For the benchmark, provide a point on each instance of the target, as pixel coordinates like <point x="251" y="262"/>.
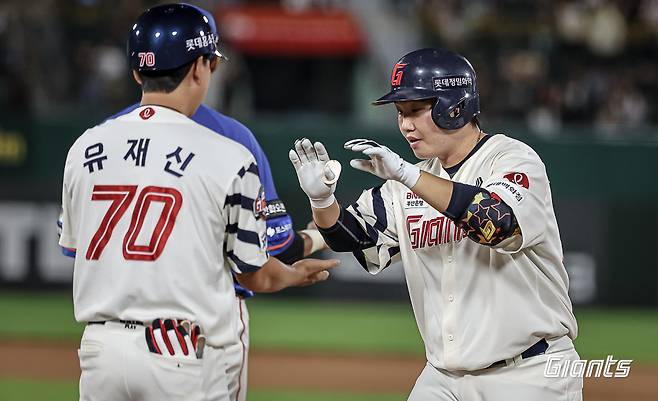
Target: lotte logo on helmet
<point x="396" y="76"/>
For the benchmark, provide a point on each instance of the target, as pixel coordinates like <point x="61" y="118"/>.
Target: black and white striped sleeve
<point x="246" y="241"/>
<point x="375" y="214"/>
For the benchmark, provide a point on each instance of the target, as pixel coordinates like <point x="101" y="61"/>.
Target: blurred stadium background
<point x="577" y="80"/>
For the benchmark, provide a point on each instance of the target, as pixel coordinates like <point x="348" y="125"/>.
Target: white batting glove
<point x="383" y="162"/>
<point x="316" y="172"/>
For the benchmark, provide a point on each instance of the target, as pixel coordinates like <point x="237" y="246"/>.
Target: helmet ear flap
<point x="436" y="115"/>
<point x="455" y="117"/>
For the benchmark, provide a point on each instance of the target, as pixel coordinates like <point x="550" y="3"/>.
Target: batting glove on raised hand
<point x="383" y="162"/>
<point x="317" y="174"/>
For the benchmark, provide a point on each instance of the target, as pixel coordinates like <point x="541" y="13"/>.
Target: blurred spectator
<point x="607" y="30"/>
<point x="624" y="109"/>
<point x="548" y="63"/>
<point x="544" y="118"/>
<point x="557" y="62"/>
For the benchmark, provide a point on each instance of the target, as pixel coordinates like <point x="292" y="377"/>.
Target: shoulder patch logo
<point x="518" y="179"/>
<point x="260" y="204"/>
<point x="147" y="113"/>
<point x="478" y="182"/>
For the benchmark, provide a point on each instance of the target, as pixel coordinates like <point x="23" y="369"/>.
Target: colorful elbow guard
<point x="488" y="220"/>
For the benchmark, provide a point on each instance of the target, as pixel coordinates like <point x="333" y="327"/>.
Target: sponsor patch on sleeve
<point x="275" y="208"/>
<point x="518" y="179"/>
<point x="279" y="233"/>
<point x="501" y="186"/>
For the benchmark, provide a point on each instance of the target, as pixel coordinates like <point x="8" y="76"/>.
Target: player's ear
<point x="137" y="78"/>
<point x="197" y="69"/>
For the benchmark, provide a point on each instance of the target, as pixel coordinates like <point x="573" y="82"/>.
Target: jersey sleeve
<point x="67" y="224"/>
<point x="246" y="242"/>
<point x="519" y="179"/>
<point x="374" y="212"/>
<point x="280" y="233"/>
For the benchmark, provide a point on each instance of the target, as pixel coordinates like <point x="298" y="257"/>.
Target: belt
<point x="126" y="322"/>
<point x="539" y="348"/>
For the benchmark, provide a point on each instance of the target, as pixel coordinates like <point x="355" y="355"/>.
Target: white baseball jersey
<point x="475" y="304"/>
<point x="160" y="209"/>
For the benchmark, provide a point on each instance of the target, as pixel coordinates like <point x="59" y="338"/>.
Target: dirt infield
<point x="276" y="370"/>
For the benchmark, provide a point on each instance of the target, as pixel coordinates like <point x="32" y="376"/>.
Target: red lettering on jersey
<point x="147" y="113"/>
<point x="121" y="197"/>
<point x="396" y="75"/>
<point x="518" y="178"/>
<point x="413" y="232"/>
<point x="459" y="233"/>
<point x="431" y="232"/>
<point x="446" y="237"/>
<point x="434" y="229"/>
<point x="425" y="233"/>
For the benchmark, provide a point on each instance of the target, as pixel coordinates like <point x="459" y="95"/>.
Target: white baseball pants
<point x="116" y="365"/>
<point x="237" y="356"/>
<point x="229" y="370"/>
<point x="520" y="380"/>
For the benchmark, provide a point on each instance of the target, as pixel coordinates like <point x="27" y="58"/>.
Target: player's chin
<point x="421" y="151"/>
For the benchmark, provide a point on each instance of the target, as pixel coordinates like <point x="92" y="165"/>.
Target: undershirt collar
<point x="453" y="170"/>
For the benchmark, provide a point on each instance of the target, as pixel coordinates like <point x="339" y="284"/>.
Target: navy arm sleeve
<point x="347" y="235"/>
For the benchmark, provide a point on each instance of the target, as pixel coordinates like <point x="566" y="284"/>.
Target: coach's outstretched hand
<point x="383" y="162"/>
<point x="317" y="174"/>
<point x="315" y="270"/>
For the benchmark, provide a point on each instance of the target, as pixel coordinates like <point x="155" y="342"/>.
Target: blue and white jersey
<point x="161" y="210"/>
<point x="280" y="233"/>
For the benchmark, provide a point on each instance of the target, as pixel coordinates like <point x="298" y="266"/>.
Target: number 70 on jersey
<point x="122" y="197"/>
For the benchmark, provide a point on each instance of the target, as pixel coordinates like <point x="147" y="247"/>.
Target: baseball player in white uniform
<point x="474" y="226"/>
<point x="159" y="211"/>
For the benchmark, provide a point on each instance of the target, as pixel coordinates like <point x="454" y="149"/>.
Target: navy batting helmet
<point x="171" y="35"/>
<point x="437" y="74"/>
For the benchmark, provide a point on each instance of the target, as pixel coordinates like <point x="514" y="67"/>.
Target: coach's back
<point x="152" y="203"/>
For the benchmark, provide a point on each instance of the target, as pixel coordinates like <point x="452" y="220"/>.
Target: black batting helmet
<point x="169" y="36"/>
<point x="437" y="74"/>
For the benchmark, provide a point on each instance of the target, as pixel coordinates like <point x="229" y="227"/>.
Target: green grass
<point x="340" y="326"/>
<point x="337" y="326"/>
<point x="28" y="390"/>
<point x="624" y="333"/>
<point x="39" y="315"/>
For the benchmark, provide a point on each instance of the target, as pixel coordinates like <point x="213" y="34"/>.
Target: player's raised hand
<point x="316" y="172"/>
<point x="383" y="162"/>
